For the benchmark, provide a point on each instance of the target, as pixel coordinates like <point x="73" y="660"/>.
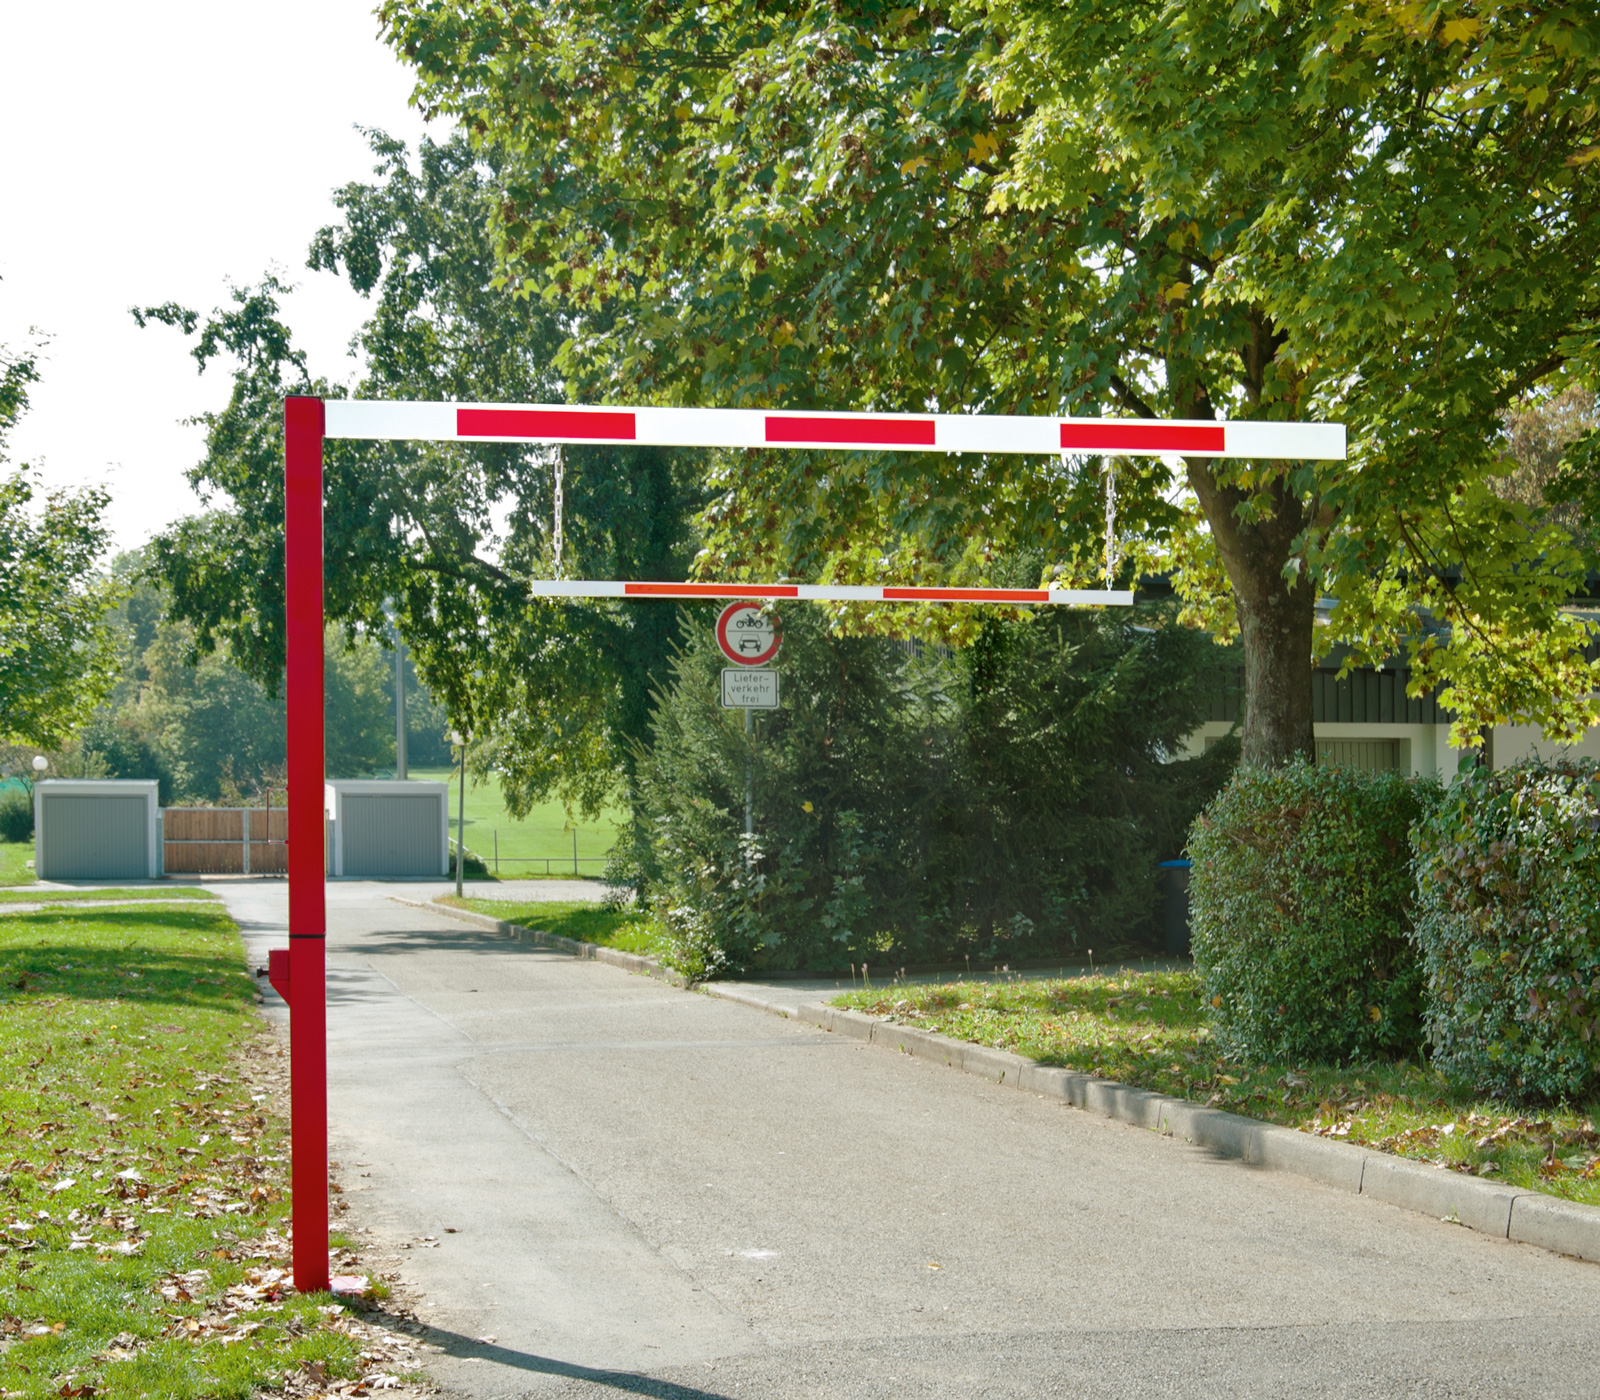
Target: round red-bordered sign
<point x="748" y="634"/>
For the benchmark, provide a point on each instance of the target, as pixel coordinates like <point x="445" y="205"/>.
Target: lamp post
<point x="459" y="740"/>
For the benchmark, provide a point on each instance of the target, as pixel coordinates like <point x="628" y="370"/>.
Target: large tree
<point x="1378" y="215"/>
<point x="440" y="537"/>
<point x="55" y="658"/>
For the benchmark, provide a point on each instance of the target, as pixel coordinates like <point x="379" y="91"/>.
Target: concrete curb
<point x="631" y="962"/>
<point x="1527" y="1217"/>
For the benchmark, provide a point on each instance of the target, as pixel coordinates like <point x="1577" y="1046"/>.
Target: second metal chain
<point x="1111" y="520"/>
<point x="556" y="539"/>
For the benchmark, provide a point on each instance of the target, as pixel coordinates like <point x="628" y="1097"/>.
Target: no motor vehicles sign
<point x="748" y="634"/>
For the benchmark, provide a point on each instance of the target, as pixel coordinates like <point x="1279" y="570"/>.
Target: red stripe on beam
<point x="707" y="590"/>
<point x="1140" y="437"/>
<point x="966" y="595"/>
<point x="543" y="423"/>
<point x="849" y="432"/>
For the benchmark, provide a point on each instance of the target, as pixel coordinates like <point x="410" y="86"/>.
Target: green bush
<point x="1508" y="924"/>
<point x="16" y="814"/>
<point x="1300" y="906"/>
<point x="1007" y="802"/>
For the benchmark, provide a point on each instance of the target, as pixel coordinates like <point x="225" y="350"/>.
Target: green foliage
<point x="1508" y="926"/>
<point x="1300" y="906"/>
<point x="1006" y="802"/>
<point x="206" y="730"/>
<point x="551" y="693"/>
<point x="16" y="814"/>
<point x="1380" y="216"/>
<point x="54" y="661"/>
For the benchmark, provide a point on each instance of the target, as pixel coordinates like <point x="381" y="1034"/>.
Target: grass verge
<point x="163" y="893"/>
<point x="544" y="835"/>
<point x="142" y="1183"/>
<point x="16" y="862"/>
<point x="1149" y="1029"/>
<point x="623" y="929"/>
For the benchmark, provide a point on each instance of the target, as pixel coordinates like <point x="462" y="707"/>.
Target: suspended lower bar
<point x="833" y="593"/>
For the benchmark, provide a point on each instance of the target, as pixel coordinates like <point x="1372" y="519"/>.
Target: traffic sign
<point x="749" y="690"/>
<point x="748" y="634"/>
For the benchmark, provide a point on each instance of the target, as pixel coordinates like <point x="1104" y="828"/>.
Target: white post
<point x="749" y="820"/>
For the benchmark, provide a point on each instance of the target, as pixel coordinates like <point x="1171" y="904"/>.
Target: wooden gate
<point x="217" y="841"/>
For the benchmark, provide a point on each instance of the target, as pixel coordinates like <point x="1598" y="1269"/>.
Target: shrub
<point x="16" y="814"/>
<point x="1508" y="924"/>
<point x="1300" y="903"/>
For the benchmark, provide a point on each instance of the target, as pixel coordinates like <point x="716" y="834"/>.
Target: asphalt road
<point x="641" y="1191"/>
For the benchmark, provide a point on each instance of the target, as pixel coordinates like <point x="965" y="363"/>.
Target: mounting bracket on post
<point x="278" y="972"/>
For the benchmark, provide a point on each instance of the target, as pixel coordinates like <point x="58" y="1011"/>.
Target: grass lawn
<point x="142" y="1210"/>
<point x="1149" y="1029"/>
<point x="16" y="866"/>
<point x="544" y="833"/>
<point x="622" y="929"/>
<point x="162" y="892"/>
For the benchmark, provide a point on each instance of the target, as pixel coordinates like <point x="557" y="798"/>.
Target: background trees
<point x="54" y="664"/>
<point x="439" y="535"/>
<point x="208" y="731"/>
<point x="1384" y="218"/>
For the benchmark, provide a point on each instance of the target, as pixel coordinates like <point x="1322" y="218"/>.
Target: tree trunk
<point x="1276" y="616"/>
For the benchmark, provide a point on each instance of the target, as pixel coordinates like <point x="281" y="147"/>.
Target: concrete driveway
<point x="636" y="1190"/>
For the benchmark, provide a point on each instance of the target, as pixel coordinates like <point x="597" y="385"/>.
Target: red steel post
<point x="308" y="923"/>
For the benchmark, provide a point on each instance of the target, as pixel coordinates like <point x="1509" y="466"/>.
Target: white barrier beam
<point x="903" y="432"/>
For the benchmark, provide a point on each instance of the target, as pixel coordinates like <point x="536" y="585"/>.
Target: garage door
<point x="391" y="835"/>
<point x="96" y="838"/>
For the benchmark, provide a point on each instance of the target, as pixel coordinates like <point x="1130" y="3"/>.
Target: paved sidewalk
<point x="638" y="1190"/>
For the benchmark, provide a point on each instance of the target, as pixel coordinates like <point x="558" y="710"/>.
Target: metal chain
<point x="556" y="539"/>
<point x="1111" y="521"/>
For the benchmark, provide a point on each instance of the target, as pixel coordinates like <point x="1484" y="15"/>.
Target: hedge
<point x="1508" y="926"/>
<point x="1300" y="905"/>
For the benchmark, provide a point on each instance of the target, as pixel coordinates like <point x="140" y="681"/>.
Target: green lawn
<point x="587" y="923"/>
<point x="142" y="1183"/>
<point x="16" y="863"/>
<point x="1149" y="1029"/>
<point x="545" y="834"/>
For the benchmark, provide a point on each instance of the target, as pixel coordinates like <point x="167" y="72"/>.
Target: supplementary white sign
<point x="749" y="690"/>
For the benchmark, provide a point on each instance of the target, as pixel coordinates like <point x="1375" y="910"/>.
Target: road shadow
<point x="463" y="1348"/>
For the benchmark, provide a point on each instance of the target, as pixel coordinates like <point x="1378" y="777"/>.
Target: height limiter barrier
<point x="298" y="973"/>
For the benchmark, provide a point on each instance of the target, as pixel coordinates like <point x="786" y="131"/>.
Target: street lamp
<point x="40" y="763"/>
<point x="459" y="740"/>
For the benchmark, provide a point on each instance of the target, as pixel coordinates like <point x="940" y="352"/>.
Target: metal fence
<point x="494" y="859"/>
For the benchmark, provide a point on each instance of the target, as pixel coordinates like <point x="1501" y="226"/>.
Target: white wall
<point x="1425" y="748"/>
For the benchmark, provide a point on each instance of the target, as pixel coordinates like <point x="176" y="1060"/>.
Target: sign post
<point x="750" y="636"/>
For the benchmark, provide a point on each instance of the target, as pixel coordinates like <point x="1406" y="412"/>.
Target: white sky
<point x="152" y="153"/>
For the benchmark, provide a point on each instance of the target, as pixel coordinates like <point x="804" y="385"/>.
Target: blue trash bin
<point x="1175" y="911"/>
